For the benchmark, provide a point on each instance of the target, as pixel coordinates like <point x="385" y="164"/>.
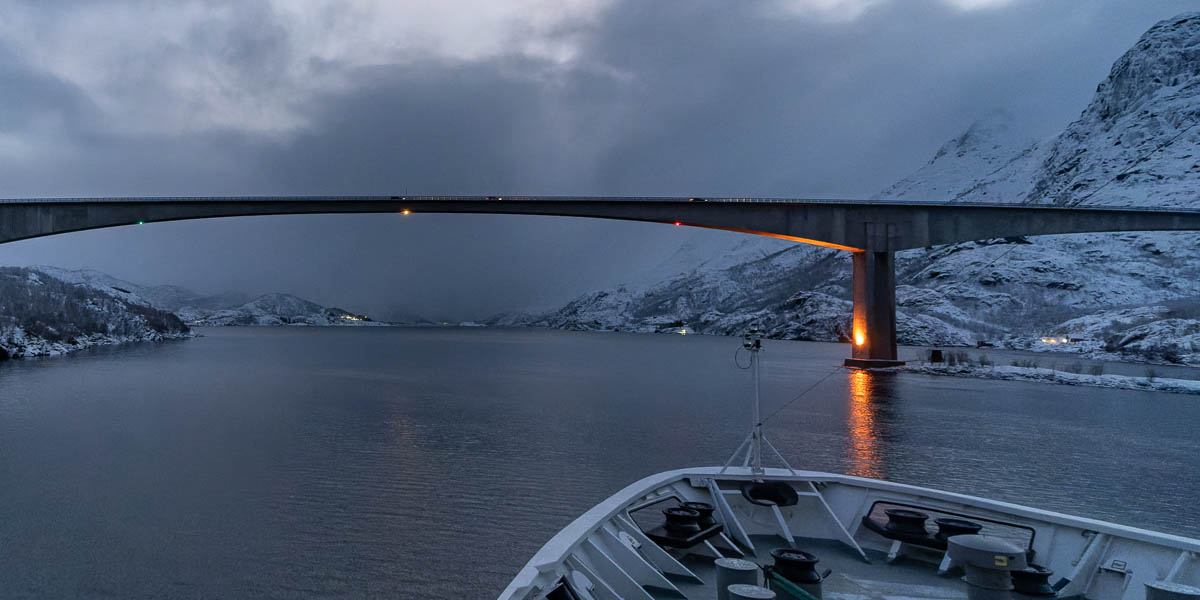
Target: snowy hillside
<point x="987" y="163"/>
<point x="43" y="315"/>
<point x="1136" y="143"/>
<point x="1158" y="333"/>
<point x="275" y="309"/>
<point x="165" y="297"/>
<point x="224" y="309"/>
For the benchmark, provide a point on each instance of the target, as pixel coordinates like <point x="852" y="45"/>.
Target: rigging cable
<point x="800" y="395"/>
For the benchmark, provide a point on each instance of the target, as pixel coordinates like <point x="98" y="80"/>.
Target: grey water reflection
<point x="864" y="426"/>
<point x="432" y="463"/>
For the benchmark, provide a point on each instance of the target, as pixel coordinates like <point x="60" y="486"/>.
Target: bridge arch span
<point x="873" y="231"/>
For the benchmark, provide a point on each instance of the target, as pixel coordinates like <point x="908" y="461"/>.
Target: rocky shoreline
<point x="15" y="344"/>
<point x="1148" y="383"/>
<point x="42" y="315"/>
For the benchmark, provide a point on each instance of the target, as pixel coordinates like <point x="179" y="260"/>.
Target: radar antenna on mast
<point x="752" y="446"/>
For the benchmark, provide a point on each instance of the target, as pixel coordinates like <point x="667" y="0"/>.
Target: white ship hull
<point x="606" y="553"/>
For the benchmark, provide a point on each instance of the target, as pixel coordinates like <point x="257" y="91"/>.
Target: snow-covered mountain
<point x="1136" y="143"/>
<point x="41" y="315"/>
<point x="275" y="309"/>
<point x="164" y="297"/>
<point x="223" y="309"/>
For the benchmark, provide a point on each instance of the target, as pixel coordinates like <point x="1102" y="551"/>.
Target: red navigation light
<point x="677" y="223"/>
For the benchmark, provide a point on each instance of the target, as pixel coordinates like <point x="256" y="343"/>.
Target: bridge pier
<point x="874" y="287"/>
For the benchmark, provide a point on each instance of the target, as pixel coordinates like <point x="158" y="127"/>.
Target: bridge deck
<point x="873" y="230"/>
<point x="845" y="224"/>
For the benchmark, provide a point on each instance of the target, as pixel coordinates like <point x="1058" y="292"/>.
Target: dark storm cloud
<point x="678" y="98"/>
<point x="28" y="95"/>
<point x="69" y="146"/>
<point x="751" y="102"/>
<point x="716" y="98"/>
<point x="453" y="128"/>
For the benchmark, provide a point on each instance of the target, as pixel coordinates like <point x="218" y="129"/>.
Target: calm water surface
<point x="432" y="463"/>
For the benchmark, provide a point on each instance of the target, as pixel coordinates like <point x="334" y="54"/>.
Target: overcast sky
<point x="816" y="98"/>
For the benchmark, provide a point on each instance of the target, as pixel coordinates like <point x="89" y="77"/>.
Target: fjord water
<point x="432" y="463"/>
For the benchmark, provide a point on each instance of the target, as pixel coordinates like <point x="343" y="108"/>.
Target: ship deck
<point x="610" y="552"/>
<point x="851" y="579"/>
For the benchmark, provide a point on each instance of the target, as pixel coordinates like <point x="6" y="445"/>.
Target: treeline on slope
<point x="59" y="312"/>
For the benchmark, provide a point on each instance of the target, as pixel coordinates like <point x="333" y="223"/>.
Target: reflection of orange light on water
<point x="864" y="442"/>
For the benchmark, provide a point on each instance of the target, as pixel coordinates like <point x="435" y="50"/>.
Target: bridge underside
<point x="874" y="232"/>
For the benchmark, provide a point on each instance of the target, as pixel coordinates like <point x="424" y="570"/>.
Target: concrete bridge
<point x="872" y="231"/>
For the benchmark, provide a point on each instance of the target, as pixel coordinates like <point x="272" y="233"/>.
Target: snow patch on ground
<point x="1015" y="373"/>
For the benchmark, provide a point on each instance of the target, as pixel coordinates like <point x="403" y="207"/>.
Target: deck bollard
<point x="798" y="570"/>
<point x="732" y="571"/>
<point x="742" y="591"/>
<point x="1164" y="590"/>
<point x="1033" y="580"/>
<point x="988" y="563"/>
